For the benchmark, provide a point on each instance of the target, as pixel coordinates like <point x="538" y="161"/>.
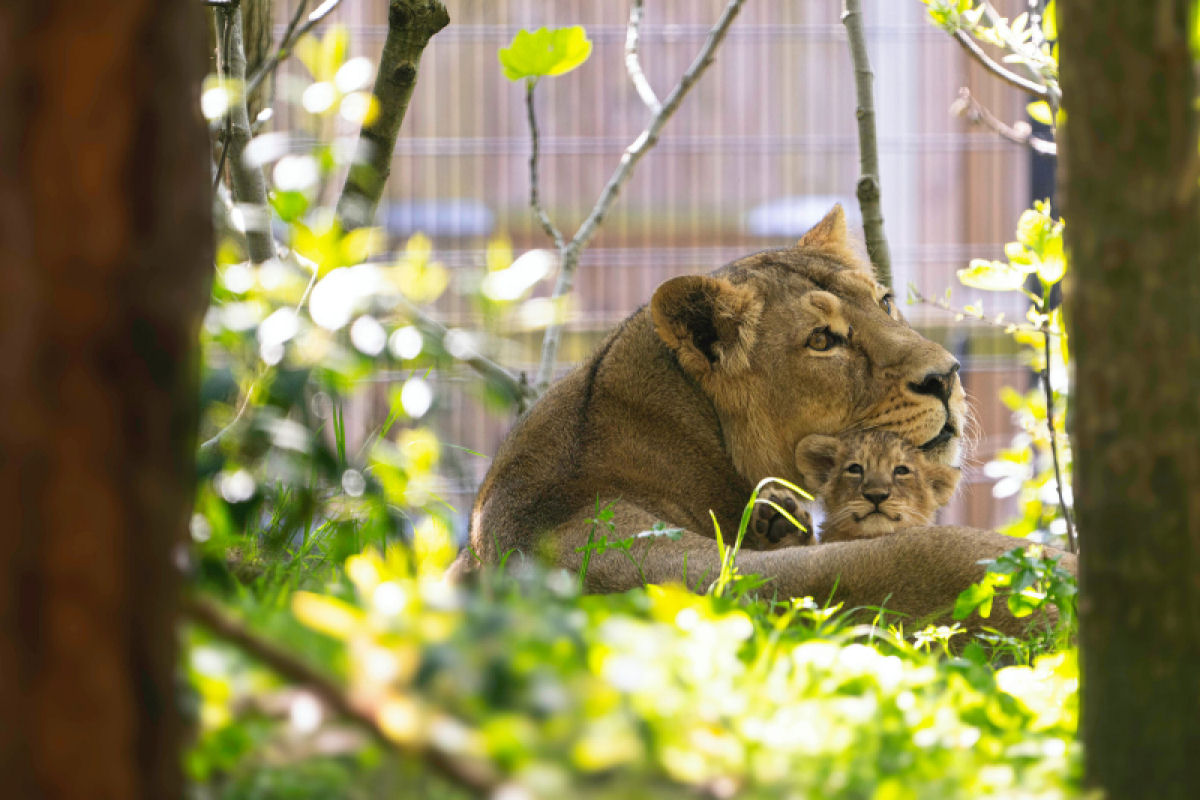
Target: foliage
<point x="546" y="51"/>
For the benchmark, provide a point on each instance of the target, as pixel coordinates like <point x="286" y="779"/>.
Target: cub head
<point x="801" y="341"/>
<point x="872" y="483"/>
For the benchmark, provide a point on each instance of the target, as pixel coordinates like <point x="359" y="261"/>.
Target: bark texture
<point x="1133" y="233"/>
<point x="105" y="247"/>
<point x="411" y="24"/>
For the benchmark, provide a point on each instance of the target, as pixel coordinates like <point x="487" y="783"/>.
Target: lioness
<point x="695" y="398"/>
<point x="872" y="483"/>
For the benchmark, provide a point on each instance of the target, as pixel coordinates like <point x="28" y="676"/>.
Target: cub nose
<point x="877" y="496"/>
<point x="938" y="384"/>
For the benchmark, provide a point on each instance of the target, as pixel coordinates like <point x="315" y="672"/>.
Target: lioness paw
<point x="771" y="530"/>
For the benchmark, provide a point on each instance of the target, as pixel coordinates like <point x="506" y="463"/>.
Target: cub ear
<point x="816" y="459"/>
<point x="829" y="233"/>
<point x="943" y="480"/>
<point x="708" y="322"/>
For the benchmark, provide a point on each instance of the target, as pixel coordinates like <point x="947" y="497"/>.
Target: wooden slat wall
<point x="774" y="117"/>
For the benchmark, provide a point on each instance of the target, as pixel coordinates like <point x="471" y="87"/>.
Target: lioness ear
<point x="707" y="321"/>
<point x="829" y="233"/>
<point x="943" y="480"/>
<point x="816" y="458"/>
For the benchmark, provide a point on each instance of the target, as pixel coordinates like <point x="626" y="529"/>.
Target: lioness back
<point x="872" y="483"/>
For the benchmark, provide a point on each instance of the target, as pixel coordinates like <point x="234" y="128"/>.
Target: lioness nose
<point x="877" y="496"/>
<point x="937" y="384"/>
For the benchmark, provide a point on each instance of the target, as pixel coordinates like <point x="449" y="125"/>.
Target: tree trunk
<point x="105" y="259"/>
<point x="1130" y="173"/>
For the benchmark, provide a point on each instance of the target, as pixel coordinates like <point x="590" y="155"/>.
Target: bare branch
<point x="1072" y="546"/>
<point x="1005" y="74"/>
<point x="474" y="776"/>
<point x="632" y="66"/>
<point x="291" y="35"/>
<point x="249" y="185"/>
<point x="868" y="188"/>
<point x="411" y="24"/>
<point x="972" y="110"/>
<point x="998" y="321"/>
<point x="494" y="373"/>
<point x="569" y="256"/>
<point x="534" y="201"/>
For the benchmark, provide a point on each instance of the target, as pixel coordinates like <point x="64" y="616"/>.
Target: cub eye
<point x="901" y="470"/>
<point x="886" y="303"/>
<point x="855" y="469"/>
<point x="820" y="340"/>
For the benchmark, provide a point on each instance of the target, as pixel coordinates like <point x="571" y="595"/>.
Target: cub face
<point x="872" y="483"/>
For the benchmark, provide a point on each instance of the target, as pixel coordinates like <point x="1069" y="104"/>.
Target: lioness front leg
<point x="769" y="529"/>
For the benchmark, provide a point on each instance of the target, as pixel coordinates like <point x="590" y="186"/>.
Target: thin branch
<point x="1072" y="546"/>
<point x="976" y="315"/>
<point x="632" y="65"/>
<point x="222" y="67"/>
<point x="1053" y="96"/>
<point x="411" y="24"/>
<point x="491" y="371"/>
<point x="291" y="35"/>
<point x="569" y="256"/>
<point x="476" y="777"/>
<point x="1005" y="74"/>
<point x="534" y="201"/>
<point x="249" y="185"/>
<point x="868" y="188"/>
<point x="972" y="110"/>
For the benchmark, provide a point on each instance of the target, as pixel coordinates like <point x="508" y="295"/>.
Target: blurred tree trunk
<point x="1130" y="172"/>
<point x="105" y="259"/>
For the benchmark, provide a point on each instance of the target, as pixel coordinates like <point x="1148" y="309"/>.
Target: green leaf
<point x="1040" y="112"/>
<point x="1052" y="264"/>
<point x="992" y="276"/>
<point x="976" y="596"/>
<point x="546" y="51"/>
<point x="1050" y="21"/>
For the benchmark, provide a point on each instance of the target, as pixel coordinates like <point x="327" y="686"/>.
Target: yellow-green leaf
<point x="328" y="615"/>
<point x="1040" y="112"/>
<point x="1052" y="263"/>
<point x="994" y="276"/>
<point x="1050" y="21"/>
<point x="546" y="51"/>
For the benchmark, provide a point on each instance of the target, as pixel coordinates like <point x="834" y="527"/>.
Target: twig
<point x="222" y="67"/>
<point x="1021" y="133"/>
<point x="1058" y="484"/>
<point x="476" y="777"/>
<point x="249" y="185"/>
<point x="490" y="370"/>
<point x="1005" y="74"/>
<point x="977" y="315"/>
<point x="868" y="188"/>
<point x="569" y="255"/>
<point x="632" y="66"/>
<point x="534" y="201"/>
<point x="1053" y="95"/>
<point x="411" y="24"/>
<point x="291" y="35"/>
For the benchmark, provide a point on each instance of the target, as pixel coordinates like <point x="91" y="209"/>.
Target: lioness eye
<point x="901" y="470"/>
<point x="886" y="304"/>
<point x="855" y="469"/>
<point x="821" y="340"/>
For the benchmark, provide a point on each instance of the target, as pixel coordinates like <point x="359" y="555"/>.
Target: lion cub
<point x="872" y="483"/>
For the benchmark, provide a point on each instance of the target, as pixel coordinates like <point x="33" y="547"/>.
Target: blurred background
<point x="757" y="153"/>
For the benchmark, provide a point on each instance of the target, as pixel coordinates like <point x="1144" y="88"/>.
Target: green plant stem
<point x="1058" y="481"/>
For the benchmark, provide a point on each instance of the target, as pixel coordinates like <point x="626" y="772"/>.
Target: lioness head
<point x="872" y="483"/>
<point x="790" y="343"/>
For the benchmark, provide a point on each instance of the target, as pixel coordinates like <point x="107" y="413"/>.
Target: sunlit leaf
<point x="994" y="276"/>
<point x="326" y="614"/>
<point x="546" y="51"/>
<point x="1040" y="111"/>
